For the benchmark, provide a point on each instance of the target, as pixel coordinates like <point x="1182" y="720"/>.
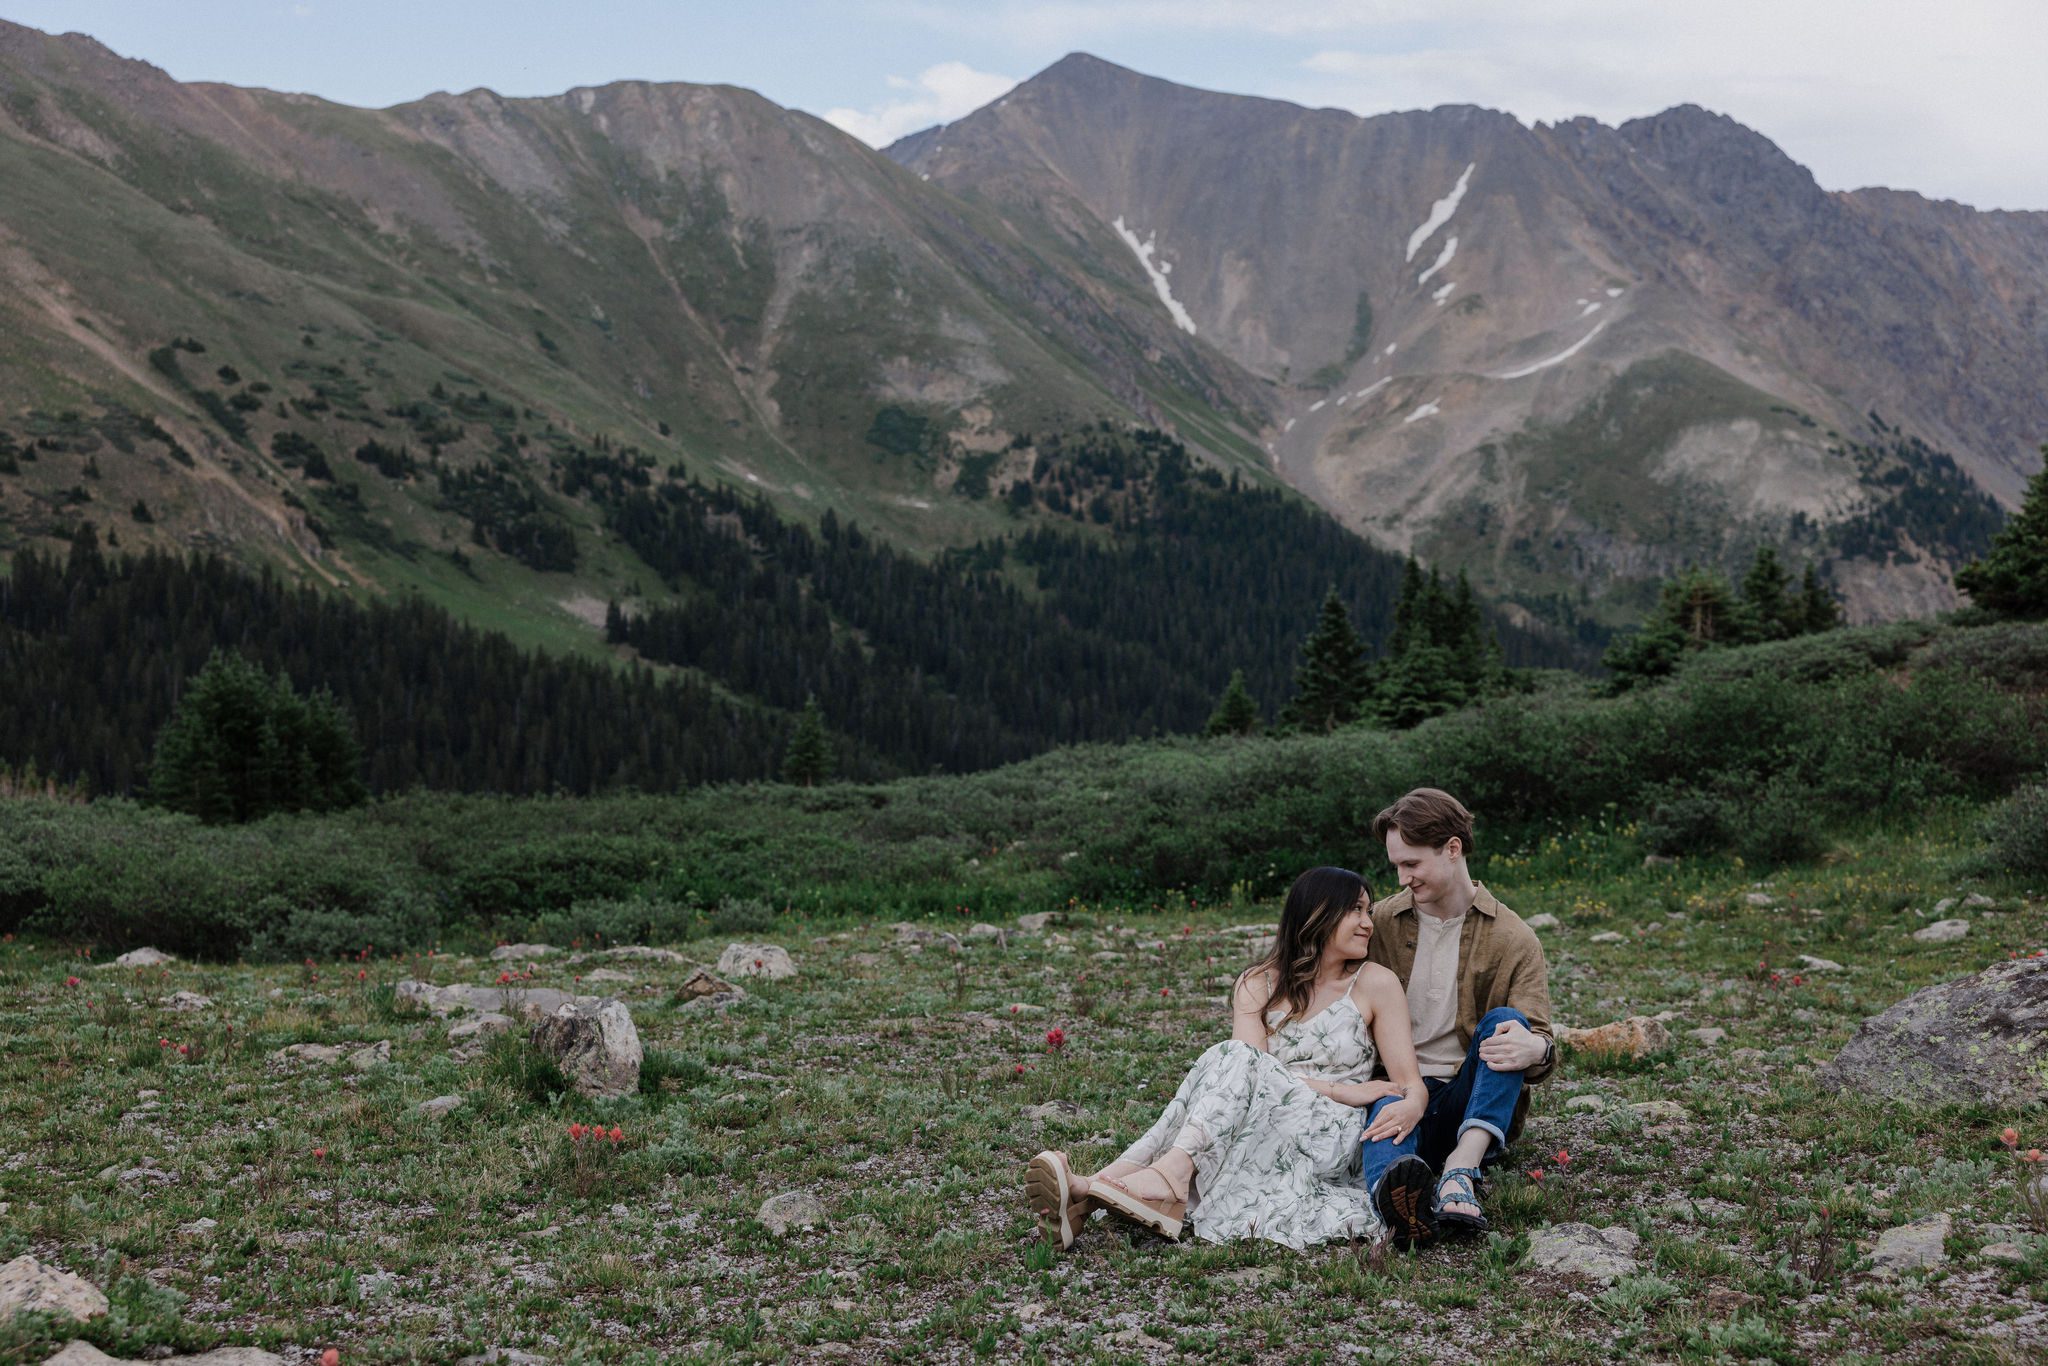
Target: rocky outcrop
<point x="27" y="1285"/>
<point x="1981" y="1039"/>
<point x="596" y="1046"/>
<point x="1630" y="1038"/>
<point x="531" y="1002"/>
<point x="1601" y="1254"/>
<point x="769" y="961"/>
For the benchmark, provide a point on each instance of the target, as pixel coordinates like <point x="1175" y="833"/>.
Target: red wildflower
<point x="1535" y="1173"/>
<point x="70" y="981"/>
<point x="362" y="973"/>
<point x="163" y="1043"/>
<point x="1055" y="1038"/>
<point x="2010" y="1138"/>
<point x="1020" y="1069"/>
<point x="330" y="1357"/>
<point x="320" y="1154"/>
<point x="757" y="962"/>
<point x="618" y="1134"/>
<point x="1564" y="1158"/>
<point x="2033" y="1154"/>
<point x="184" y="1050"/>
<point x="503" y="978"/>
<point x="1797" y="980"/>
<point x="575" y="1130"/>
<point x="1166" y="991"/>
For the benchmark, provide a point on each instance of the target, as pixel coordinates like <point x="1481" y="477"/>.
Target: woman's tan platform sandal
<point x="1049" y="1190"/>
<point x="1163" y="1217"/>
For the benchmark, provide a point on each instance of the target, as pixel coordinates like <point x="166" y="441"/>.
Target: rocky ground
<point x="815" y="1153"/>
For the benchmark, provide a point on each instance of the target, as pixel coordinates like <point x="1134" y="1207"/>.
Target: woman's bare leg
<point x="1166" y="1179"/>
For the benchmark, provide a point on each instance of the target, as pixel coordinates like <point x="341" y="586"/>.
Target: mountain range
<point x="1564" y="359"/>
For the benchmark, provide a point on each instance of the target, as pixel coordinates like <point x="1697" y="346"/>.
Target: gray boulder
<point x="144" y="958"/>
<point x="440" y="1105"/>
<point x="26" y="1284"/>
<point x="519" y="953"/>
<point x="596" y="1046"/>
<point x="532" y="1003"/>
<point x="1918" y="1246"/>
<point x="1601" y="1254"/>
<point x="1981" y="1039"/>
<point x="770" y="961"/>
<point x="791" y="1209"/>
<point x="1942" y="932"/>
<point x="80" y="1353"/>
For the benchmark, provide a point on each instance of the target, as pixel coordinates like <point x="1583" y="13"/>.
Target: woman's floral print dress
<point x="1273" y="1159"/>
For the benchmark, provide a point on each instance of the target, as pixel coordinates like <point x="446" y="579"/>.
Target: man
<point x="1479" y="1001"/>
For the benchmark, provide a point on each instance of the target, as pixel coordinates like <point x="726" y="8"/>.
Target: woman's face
<point x="1354" y="930"/>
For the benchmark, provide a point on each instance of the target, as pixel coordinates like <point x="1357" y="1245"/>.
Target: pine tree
<point x="809" y="759"/>
<point x="2012" y="578"/>
<point x="1331" y="681"/>
<point x="1815" y="607"/>
<point x="1236" y="712"/>
<point x="1764" y="590"/>
<point x="241" y="746"/>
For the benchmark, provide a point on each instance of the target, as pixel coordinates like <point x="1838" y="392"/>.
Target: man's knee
<point x="1498" y="1016"/>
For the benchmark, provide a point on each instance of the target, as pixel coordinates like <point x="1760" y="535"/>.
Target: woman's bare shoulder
<point x="1254" y="987"/>
<point x="1374" y="977"/>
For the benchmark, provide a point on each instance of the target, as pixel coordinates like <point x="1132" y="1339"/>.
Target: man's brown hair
<point x="1427" y="817"/>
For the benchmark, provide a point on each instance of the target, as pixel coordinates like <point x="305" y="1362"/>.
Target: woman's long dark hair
<point x="1318" y="899"/>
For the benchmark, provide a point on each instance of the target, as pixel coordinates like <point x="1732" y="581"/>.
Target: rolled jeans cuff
<point x="1500" y="1140"/>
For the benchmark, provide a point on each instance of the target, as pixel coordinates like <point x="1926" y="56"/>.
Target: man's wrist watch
<point x="1549" y="1051"/>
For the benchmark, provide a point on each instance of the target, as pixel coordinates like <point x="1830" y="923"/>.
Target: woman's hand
<point x="1357" y="1095"/>
<point x="1398" y="1119"/>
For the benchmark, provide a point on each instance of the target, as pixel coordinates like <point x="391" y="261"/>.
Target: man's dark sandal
<point x="1464" y="1184"/>
<point x="1404" y="1199"/>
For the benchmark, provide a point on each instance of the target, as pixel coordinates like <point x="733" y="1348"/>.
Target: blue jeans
<point x="1477" y="1098"/>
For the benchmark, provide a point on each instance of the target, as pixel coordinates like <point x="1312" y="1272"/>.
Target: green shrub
<point x="2015" y="832"/>
<point x="517" y="878"/>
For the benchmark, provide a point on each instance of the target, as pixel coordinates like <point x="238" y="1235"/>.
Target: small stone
<point x="144" y="958"/>
<point x="791" y="1209"/>
<point x="26" y="1284"/>
<point x="440" y="1105"/>
<point x="199" y="1228"/>
<point x="641" y="951"/>
<point x="1250" y="1275"/>
<point x="1661" y="1111"/>
<point x="376" y="1055"/>
<point x="186" y="1000"/>
<point x="518" y="953"/>
<point x="1107" y="956"/>
<point x="1659" y="861"/>
<point x="1023" y="1008"/>
<point x="1945" y="905"/>
<point x="596" y="1046"/>
<point x="2002" y="1252"/>
<point x="502" y="1356"/>
<point x="1942" y="932"/>
<point x="1708" y="1036"/>
<point x="703" y="982"/>
<point x="1037" y="922"/>
<point x="609" y="975"/>
<point x="1917" y="1246"/>
<point x="1543" y="921"/>
<point x="756" y="960"/>
<point x="983" y="931"/>
<point x="324" y="1053"/>
<point x="1632" y="1038"/>
<point x="1810" y="963"/>
<point x="1056" y="1109"/>
<point x="1724" y="1302"/>
<point x="479" y="1027"/>
<point x="1138" y="1339"/>
<point x="1602" y="1254"/>
<point x="1977" y="901"/>
<point x="1760" y="900"/>
<point x="1608" y="937"/>
<point x="1586" y="1102"/>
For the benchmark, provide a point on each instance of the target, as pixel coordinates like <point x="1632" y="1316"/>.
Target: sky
<point x="1942" y="98"/>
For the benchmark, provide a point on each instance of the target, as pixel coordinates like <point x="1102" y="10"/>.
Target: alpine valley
<point x="640" y="347"/>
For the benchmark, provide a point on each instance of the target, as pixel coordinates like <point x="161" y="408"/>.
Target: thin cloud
<point x="939" y="94"/>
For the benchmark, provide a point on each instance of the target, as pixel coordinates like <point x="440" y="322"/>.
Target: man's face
<point x="1427" y="873"/>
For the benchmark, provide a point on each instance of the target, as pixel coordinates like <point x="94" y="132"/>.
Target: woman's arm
<point x="1387" y="1005"/>
<point x="1248" y="1009"/>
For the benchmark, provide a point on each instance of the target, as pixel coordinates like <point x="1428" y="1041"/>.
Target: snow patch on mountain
<point x="1440" y="212"/>
<point x="1156" y="273"/>
<point x="1317" y="406"/>
<point x="1377" y="384"/>
<point x="1590" y="309"/>
<point x="1443" y="258"/>
<point x="1616" y="293"/>
<point x="1429" y="409"/>
<point x="1443" y="295"/>
<point x="1558" y="359"/>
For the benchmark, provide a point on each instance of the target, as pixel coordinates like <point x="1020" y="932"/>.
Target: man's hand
<point x="1397" y="1119"/>
<point x="1513" y="1048"/>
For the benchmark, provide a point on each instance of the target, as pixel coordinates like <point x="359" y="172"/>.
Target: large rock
<point x="1918" y="1246"/>
<point x="704" y="982"/>
<point x="186" y="1000"/>
<point x="26" y="1284"/>
<point x="1981" y="1039"/>
<point x="519" y="953"/>
<point x="771" y="961"/>
<point x="79" y="1353"/>
<point x="596" y="1046"/>
<point x="644" y="952"/>
<point x="1603" y="1254"/>
<point x="144" y="958"/>
<point x="532" y="1003"/>
<point x="1942" y="932"/>
<point x="1630" y="1038"/>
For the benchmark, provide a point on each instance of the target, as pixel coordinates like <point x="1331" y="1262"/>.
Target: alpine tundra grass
<point x="220" y="1193"/>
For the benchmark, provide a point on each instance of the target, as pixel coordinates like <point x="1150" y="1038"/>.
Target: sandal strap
<point x="1459" y="1179"/>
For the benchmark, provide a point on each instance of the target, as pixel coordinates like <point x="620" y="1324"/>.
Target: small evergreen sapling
<point x="809" y="760"/>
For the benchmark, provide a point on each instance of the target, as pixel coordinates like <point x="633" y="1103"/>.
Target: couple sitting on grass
<point x="1376" y="1066"/>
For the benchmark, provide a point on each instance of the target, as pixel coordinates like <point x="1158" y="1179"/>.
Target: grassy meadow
<point x="1696" y="841"/>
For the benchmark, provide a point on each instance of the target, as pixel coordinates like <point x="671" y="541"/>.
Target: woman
<point x="1263" y="1136"/>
